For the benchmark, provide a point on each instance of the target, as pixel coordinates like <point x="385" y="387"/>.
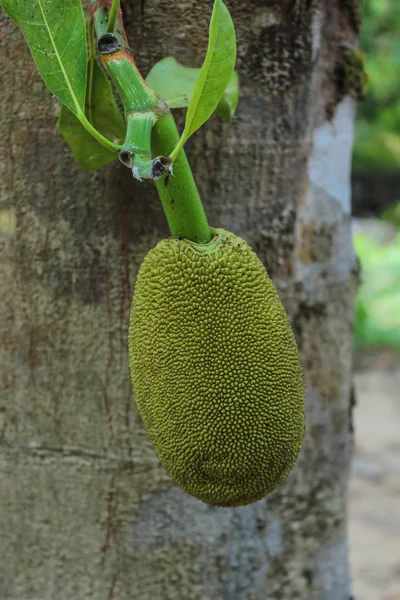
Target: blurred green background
<point x="377" y="156"/>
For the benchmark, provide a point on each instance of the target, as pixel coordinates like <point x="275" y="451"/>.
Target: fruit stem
<point x="178" y="191"/>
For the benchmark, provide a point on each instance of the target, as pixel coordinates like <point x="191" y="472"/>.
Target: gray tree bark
<point x="86" y="510"/>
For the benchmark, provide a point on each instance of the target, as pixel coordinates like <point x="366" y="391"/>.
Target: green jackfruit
<point x="215" y="370"/>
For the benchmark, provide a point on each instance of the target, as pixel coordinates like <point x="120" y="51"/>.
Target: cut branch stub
<point x="108" y="43"/>
<point x="160" y="166"/>
<point x="125" y="156"/>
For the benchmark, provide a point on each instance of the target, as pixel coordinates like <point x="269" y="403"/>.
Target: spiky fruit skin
<point x="215" y="370"/>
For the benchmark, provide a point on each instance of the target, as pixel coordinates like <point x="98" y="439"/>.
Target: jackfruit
<point x="215" y="369"/>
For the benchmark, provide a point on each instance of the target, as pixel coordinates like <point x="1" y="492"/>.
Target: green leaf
<point x="175" y="83"/>
<point x="103" y="112"/>
<point x="214" y="75"/>
<point x="56" y="35"/>
<point x="216" y="71"/>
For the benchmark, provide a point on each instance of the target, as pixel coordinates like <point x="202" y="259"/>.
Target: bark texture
<point x="86" y="511"/>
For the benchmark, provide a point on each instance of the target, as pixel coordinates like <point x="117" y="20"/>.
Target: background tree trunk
<point x="86" y="511"/>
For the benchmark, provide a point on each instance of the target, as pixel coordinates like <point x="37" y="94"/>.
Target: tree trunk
<point x="86" y="510"/>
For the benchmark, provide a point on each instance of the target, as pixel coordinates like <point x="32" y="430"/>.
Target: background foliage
<point x="377" y="149"/>
<point x="377" y="143"/>
<point x="378" y="303"/>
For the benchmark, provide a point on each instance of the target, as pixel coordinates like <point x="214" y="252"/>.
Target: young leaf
<point x="214" y="75"/>
<point x="102" y="111"/>
<point x="175" y="83"/>
<point x="229" y="101"/>
<point x="56" y="35"/>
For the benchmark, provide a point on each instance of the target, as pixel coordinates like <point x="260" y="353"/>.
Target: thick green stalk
<point x="178" y="192"/>
<point x="151" y="132"/>
<point x="116" y="58"/>
<point x="139" y="100"/>
<point x="139" y="128"/>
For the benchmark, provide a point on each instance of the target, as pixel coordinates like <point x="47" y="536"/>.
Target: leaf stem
<point x="113" y="15"/>
<point x="176" y="151"/>
<point x="96" y="134"/>
<point x="91" y="40"/>
<point x="90" y="74"/>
